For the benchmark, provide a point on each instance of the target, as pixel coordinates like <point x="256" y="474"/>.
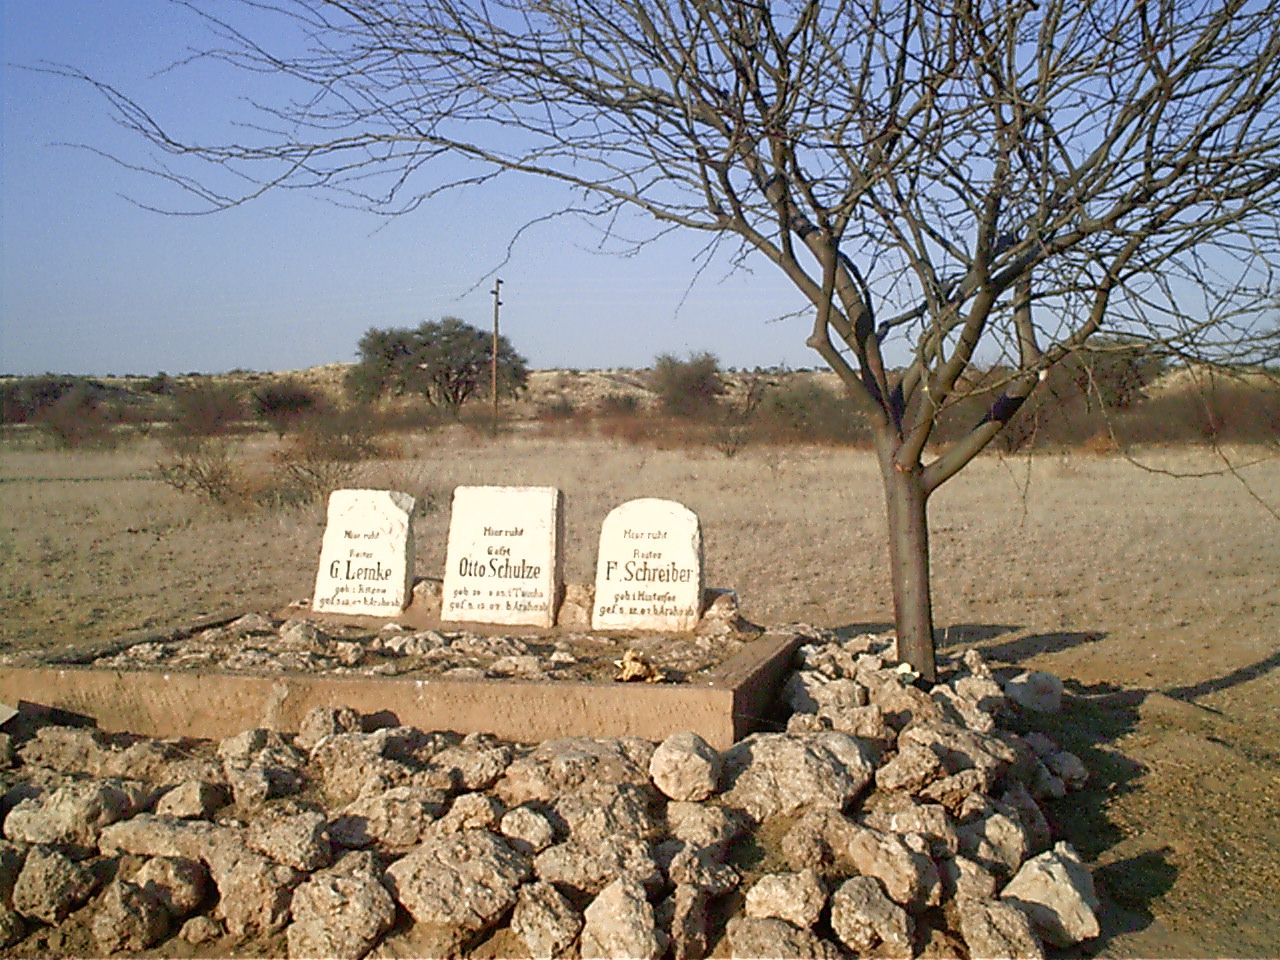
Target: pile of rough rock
<point x="884" y="820"/>
<point x="267" y="644"/>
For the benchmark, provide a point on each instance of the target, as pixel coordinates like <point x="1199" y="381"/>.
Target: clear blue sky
<point x="90" y="283"/>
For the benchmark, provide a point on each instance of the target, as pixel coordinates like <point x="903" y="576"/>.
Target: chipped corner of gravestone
<point x="366" y="556"/>
<point x="649" y="572"/>
<point x="503" y="562"/>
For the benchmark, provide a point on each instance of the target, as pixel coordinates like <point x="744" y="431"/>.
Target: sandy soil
<point x="1154" y="597"/>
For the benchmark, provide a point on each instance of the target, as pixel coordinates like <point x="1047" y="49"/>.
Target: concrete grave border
<point x="216" y="704"/>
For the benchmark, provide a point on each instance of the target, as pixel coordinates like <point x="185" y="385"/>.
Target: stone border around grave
<point x="216" y="704"/>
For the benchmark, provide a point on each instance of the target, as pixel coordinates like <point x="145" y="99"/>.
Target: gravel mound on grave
<point x="883" y="819"/>
<point x="263" y="644"/>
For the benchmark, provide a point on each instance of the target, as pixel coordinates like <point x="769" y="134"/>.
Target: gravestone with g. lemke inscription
<point x="502" y="564"/>
<point x="649" y="569"/>
<point x="366" y="557"/>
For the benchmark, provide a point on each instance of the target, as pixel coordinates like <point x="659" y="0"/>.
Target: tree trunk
<point x="906" y="502"/>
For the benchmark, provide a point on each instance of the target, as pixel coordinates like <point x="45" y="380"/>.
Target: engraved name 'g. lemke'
<point x="353" y="570"/>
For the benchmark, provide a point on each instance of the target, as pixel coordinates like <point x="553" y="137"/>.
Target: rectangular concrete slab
<point x="214" y="704"/>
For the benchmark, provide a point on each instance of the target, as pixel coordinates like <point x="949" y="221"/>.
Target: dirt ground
<point x="1156" y="598"/>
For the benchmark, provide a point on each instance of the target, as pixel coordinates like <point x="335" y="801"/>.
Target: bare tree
<point x="971" y="179"/>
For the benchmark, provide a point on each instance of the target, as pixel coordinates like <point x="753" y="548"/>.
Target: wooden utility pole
<point x="493" y="365"/>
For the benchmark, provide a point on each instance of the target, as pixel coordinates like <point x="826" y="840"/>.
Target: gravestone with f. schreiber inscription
<point x="503" y="560"/>
<point x="649" y="569"/>
<point x="366" y="557"/>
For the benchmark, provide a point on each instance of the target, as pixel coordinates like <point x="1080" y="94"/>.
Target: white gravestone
<point x="366" y="557"/>
<point x="503" y="560"/>
<point x="649" y="569"/>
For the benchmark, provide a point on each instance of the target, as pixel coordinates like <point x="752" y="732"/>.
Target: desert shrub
<point x="1113" y="372"/>
<point x="559" y="408"/>
<point x="687" y="388"/>
<point x="349" y="435"/>
<point x="160" y="385"/>
<point x="78" y="418"/>
<point x="1218" y="409"/>
<point x="803" y="410"/>
<point x="206" y="408"/>
<point x="23" y="399"/>
<point x="736" y="420"/>
<point x="205" y="468"/>
<point x="283" y="405"/>
<point x="618" y="404"/>
<point x="303" y="477"/>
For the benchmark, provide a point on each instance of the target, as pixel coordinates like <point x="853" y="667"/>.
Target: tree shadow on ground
<point x="851" y="630"/>
<point x="1033" y="644"/>
<point x="1091" y="721"/>
<point x="1228" y="680"/>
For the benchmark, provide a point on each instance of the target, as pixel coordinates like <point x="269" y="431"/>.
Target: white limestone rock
<point x="321" y="722"/>
<point x="557" y="768"/>
<point x="299" y="840"/>
<point x="831" y="843"/>
<point x="1069" y="768"/>
<point x="193" y="800"/>
<point x="396" y="818"/>
<point x="76" y="813"/>
<point x="993" y="930"/>
<point x="996" y="839"/>
<point x="598" y="812"/>
<point x="50" y="886"/>
<point x="768" y="774"/>
<point x="620" y="923"/>
<point x="128" y="918"/>
<point x="527" y="830"/>
<point x="753" y="937"/>
<point x="1055" y="890"/>
<point x="254" y="892"/>
<point x="461" y="882"/>
<point x="862" y="917"/>
<point x="1035" y="690"/>
<point x="699" y="826"/>
<point x="588" y="867"/>
<point x="545" y="920"/>
<point x="180" y="885"/>
<point x="911" y="769"/>
<point x="685" y="767"/>
<point x="341" y="911"/>
<point x="797" y="898"/>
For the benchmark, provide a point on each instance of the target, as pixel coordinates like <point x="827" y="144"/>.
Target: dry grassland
<point x="1155" y="598"/>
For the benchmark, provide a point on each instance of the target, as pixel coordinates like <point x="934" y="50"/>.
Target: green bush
<point x="1113" y="372"/>
<point x="285" y="404"/>
<point x="22" y="399"/>
<point x="687" y="388"/>
<point x="448" y="363"/>
<point x="805" y="410"/>
<point x="78" y="418"/>
<point x="206" y="408"/>
<point x="619" y="404"/>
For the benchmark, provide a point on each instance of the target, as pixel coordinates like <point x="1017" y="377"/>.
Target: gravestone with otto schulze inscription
<point x="366" y="557"/>
<point x="649" y="568"/>
<point x="502" y="565"/>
